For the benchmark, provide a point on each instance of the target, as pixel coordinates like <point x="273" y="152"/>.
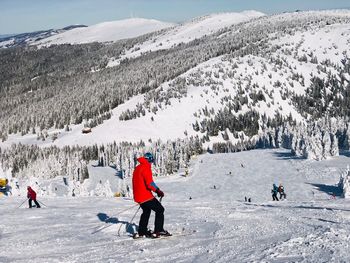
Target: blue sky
<point x="17" y="16"/>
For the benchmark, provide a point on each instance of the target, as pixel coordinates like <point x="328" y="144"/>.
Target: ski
<point x="179" y="234"/>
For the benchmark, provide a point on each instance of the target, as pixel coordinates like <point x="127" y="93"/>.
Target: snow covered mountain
<point x="74" y="119"/>
<point x="186" y="32"/>
<point x="106" y="32"/>
<point x="266" y="81"/>
<point x="271" y="81"/>
<point x="23" y="39"/>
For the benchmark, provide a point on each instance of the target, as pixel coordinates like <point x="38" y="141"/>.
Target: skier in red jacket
<point x="31" y="195"/>
<point x="143" y="185"/>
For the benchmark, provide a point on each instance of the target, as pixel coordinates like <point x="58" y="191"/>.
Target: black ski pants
<point x="274" y="197"/>
<point x="147" y="207"/>
<point x="36" y="203"/>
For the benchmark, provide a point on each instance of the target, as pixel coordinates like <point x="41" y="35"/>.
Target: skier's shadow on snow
<point x="328" y="189"/>
<point x="130" y="228"/>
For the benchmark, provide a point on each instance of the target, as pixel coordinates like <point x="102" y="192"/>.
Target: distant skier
<point x="274" y="192"/>
<point x="31" y="195"/>
<point x="281" y="191"/>
<point x="128" y="190"/>
<point x="143" y="185"/>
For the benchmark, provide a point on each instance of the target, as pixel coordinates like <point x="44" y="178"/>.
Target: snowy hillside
<point x="187" y="32"/>
<point x="265" y="79"/>
<point x="106" y="32"/>
<point x="213" y="224"/>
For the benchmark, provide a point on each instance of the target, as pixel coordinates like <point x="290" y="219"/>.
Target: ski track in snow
<point x="218" y="225"/>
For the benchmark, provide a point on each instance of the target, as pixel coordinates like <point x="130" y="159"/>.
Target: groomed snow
<point x="106" y="32"/>
<point x="310" y="226"/>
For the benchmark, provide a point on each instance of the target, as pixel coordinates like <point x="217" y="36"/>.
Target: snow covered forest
<point x="266" y="82"/>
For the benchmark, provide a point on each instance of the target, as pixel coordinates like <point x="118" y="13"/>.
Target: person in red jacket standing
<point x="31" y="195"/>
<point x="143" y="185"/>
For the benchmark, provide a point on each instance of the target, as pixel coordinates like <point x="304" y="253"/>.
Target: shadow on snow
<point x="130" y="228"/>
<point x="298" y="207"/>
<point x="287" y="156"/>
<point x="344" y="153"/>
<point x="328" y="189"/>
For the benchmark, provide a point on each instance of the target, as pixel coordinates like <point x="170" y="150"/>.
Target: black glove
<point x="159" y="193"/>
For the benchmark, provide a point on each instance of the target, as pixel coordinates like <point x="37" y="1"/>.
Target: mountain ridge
<point x="23" y="39"/>
<point x="107" y="31"/>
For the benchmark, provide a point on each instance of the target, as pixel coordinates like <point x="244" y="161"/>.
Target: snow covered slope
<point x="188" y="31"/>
<point x="107" y="31"/>
<point x="216" y="224"/>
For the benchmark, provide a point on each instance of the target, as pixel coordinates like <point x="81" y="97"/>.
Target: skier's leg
<point x="30" y="202"/>
<point x="159" y="220"/>
<point x="146" y="212"/>
<point x="37" y="204"/>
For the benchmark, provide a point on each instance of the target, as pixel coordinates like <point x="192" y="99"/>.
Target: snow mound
<point x="102" y="181"/>
<point x="106" y="32"/>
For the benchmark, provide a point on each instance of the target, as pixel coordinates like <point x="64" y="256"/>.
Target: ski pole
<point x="129" y="223"/>
<point x="22" y="203"/>
<point x="124" y="210"/>
<point x="100" y="229"/>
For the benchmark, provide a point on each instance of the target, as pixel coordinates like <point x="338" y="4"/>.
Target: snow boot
<point x="148" y="234"/>
<point x="163" y="233"/>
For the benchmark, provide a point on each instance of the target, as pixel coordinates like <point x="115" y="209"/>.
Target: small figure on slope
<point x="281" y="191"/>
<point x="128" y="190"/>
<point x="143" y="185"/>
<point x="31" y="195"/>
<point x="274" y="192"/>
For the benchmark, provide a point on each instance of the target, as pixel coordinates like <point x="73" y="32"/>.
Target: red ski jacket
<point x="31" y="193"/>
<point x="142" y="182"/>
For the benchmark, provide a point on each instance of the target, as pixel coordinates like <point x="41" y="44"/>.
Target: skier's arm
<point x="152" y="185"/>
<point x="149" y="181"/>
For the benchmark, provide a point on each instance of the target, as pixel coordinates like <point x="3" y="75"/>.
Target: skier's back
<point x="281" y="191"/>
<point x="31" y="195"/>
<point x="274" y="192"/>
